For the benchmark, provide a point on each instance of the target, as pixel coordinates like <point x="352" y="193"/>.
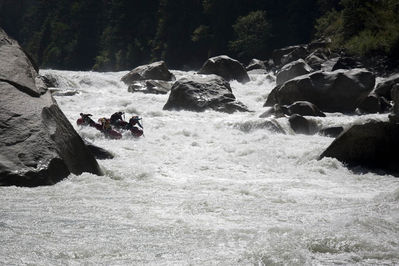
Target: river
<point x="201" y="189"/>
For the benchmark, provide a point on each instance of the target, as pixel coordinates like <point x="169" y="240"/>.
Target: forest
<point x="113" y="35"/>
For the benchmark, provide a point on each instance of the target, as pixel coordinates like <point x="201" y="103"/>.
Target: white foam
<point x="201" y="188"/>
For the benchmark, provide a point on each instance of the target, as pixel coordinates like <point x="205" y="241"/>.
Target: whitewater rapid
<point x="201" y="189"/>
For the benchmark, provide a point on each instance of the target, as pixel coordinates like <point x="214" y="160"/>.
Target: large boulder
<point x="38" y="145"/>
<point x="372" y="145"/>
<point x="226" y="67"/>
<point x="385" y="86"/>
<point x="202" y="93"/>
<point x="337" y="91"/>
<point x="156" y="70"/>
<point x="292" y="70"/>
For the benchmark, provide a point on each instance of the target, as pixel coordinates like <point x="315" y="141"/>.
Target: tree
<point x="252" y="33"/>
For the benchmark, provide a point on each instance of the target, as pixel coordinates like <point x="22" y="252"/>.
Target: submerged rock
<point x="202" y="93"/>
<point x="226" y="67"/>
<point x="337" y="91"/>
<point x="372" y="145"/>
<point x="301" y="125"/>
<point x="98" y="152"/>
<point x="331" y="131"/>
<point x="300" y="108"/>
<point x="156" y="71"/>
<point x="38" y="145"/>
<point x="151" y="86"/>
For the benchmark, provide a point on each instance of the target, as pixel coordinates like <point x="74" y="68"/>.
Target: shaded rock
<point x="276" y="111"/>
<point x="272" y="97"/>
<point x="256" y="64"/>
<point x="317" y="58"/>
<point x="314" y="61"/>
<point x="301" y="108"/>
<point x="394" y="117"/>
<point x="270" y="125"/>
<point x="373" y="104"/>
<point x="157" y="71"/>
<point x="226" y="67"/>
<point x="384" y="87"/>
<point x="98" y="152"/>
<point x="277" y="54"/>
<point x="305" y="109"/>
<point x="338" y="91"/>
<point x="16" y="68"/>
<point x="332" y="132"/>
<point x="151" y="86"/>
<point x="301" y="125"/>
<point x="347" y="63"/>
<point x="38" y="145"/>
<point x="329" y="64"/>
<point x="372" y="145"/>
<point x="60" y="92"/>
<point x="298" y="53"/>
<point x="49" y="81"/>
<point x="292" y="70"/>
<point x="319" y="44"/>
<point x="202" y="93"/>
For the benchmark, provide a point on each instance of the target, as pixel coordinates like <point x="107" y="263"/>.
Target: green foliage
<point x="363" y="27"/>
<point x="252" y="33"/>
<point x="111" y="35"/>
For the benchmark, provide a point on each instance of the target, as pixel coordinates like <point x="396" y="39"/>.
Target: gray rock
<point x="272" y="97"/>
<point x="373" y="104"/>
<point x="226" y="67"/>
<point x="384" y="87"/>
<point x="50" y="81"/>
<point x="300" y="108"/>
<point x="16" y="68"/>
<point x="292" y="70"/>
<point x="394" y="117"/>
<point x="98" y="152"/>
<point x="346" y="63"/>
<point x="301" y="125"/>
<point x="256" y="64"/>
<point x="202" y="93"/>
<point x="277" y="54"/>
<point x="332" y="132"/>
<point x="151" y="86"/>
<point x="372" y="145"/>
<point x="305" y="109"/>
<point x="338" y="91"/>
<point x="298" y="53"/>
<point x="156" y="71"/>
<point x="38" y="145"/>
<point x="276" y="110"/>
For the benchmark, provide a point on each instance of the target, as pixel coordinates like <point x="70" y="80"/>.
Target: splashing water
<point x="201" y="188"/>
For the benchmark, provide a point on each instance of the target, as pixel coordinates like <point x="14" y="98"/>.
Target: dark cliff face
<point x="38" y="145"/>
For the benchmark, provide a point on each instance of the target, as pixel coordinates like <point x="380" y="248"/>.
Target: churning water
<point x="201" y="188"/>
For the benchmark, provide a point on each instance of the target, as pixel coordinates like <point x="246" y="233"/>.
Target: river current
<point x="201" y="189"/>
